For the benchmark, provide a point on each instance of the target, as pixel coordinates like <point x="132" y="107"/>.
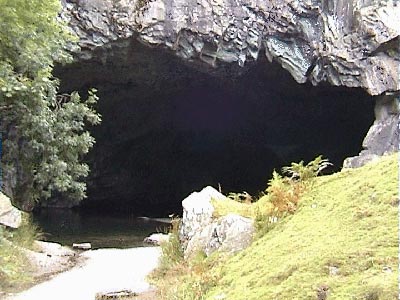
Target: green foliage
<point x="173" y="267"/>
<point x="13" y="264"/>
<point x="348" y="221"/>
<point x="45" y="136"/>
<point x="304" y="173"/>
<point x="171" y="250"/>
<point x="13" y="261"/>
<point x="284" y="194"/>
<point x="26" y="234"/>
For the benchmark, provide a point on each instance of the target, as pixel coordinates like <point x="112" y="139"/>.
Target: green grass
<point x="347" y="222"/>
<point x="14" y="265"/>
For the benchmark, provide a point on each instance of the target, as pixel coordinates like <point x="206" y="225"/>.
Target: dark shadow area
<point x="69" y="226"/>
<point x="170" y="128"/>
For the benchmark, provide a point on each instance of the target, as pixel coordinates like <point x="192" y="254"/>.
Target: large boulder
<point x="230" y="233"/>
<point x="197" y="212"/>
<point x="10" y="216"/>
<point x="384" y="135"/>
<point x="201" y="232"/>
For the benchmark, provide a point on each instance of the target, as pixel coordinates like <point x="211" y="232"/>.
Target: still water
<point x="102" y="231"/>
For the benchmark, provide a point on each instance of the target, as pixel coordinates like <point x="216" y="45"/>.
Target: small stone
<point x="333" y="271"/>
<point x="156" y="239"/>
<point x="322" y="292"/>
<point x="82" y="246"/>
<point x="387" y="269"/>
<point x="124" y="294"/>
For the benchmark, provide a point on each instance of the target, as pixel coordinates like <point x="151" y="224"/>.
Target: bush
<point x="284" y="192"/>
<point x="304" y="173"/>
<point x="26" y="234"/>
<point x="172" y="252"/>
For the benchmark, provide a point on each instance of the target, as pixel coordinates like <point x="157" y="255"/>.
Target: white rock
<point x="82" y="246"/>
<point x="156" y="238"/>
<point x="197" y="212"/>
<point x="9" y="215"/>
<point x="199" y="231"/>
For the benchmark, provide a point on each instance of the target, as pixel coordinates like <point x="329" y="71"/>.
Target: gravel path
<point x="105" y="270"/>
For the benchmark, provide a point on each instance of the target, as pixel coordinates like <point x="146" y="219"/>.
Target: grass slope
<point x="344" y="237"/>
<point x="15" y="266"/>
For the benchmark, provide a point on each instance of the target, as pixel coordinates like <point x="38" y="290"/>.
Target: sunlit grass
<point x="14" y="265"/>
<point x="347" y="221"/>
<point x="343" y="237"/>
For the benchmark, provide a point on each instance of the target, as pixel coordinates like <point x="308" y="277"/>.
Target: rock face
<point x="230" y="234"/>
<point x="384" y="135"/>
<point x="9" y="215"/>
<point x="155" y="63"/>
<point x="353" y="43"/>
<point x="201" y="232"/>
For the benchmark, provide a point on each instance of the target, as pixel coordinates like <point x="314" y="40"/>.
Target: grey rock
<point x="52" y="249"/>
<point x="351" y="43"/>
<point x="199" y="231"/>
<point x="384" y="135"/>
<point x="10" y="216"/>
<point x="230" y="234"/>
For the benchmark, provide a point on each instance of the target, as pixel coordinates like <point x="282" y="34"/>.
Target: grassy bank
<point x="341" y="242"/>
<point x="14" y="264"/>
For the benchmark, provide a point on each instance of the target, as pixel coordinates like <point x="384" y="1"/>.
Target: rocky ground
<point x="94" y="273"/>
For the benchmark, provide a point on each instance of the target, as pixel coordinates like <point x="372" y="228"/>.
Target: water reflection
<point x="102" y="231"/>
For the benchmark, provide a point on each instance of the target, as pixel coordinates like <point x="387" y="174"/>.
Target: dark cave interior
<point x="172" y="127"/>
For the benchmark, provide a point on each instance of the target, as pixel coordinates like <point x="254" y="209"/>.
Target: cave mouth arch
<point x="171" y="127"/>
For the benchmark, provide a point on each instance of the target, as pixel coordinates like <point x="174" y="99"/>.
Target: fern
<point x="301" y="172"/>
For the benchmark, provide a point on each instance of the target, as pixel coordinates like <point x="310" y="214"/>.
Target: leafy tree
<point x="44" y="133"/>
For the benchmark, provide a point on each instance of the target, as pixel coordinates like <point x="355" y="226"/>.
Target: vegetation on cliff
<point x="44" y="132"/>
<point x="340" y="243"/>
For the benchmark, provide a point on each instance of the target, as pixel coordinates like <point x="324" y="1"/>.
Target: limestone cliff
<point x="352" y="43"/>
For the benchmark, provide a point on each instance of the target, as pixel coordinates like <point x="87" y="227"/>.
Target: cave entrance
<point x="171" y="127"/>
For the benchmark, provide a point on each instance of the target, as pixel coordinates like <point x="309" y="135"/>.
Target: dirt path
<point x="105" y="270"/>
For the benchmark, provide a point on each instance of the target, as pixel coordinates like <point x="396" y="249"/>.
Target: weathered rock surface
<point x="10" y="216"/>
<point x="351" y="43"/>
<point x="384" y="135"/>
<point x="50" y="258"/>
<point x="201" y="232"/>
<point x="230" y="233"/>
<point x="197" y="212"/>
